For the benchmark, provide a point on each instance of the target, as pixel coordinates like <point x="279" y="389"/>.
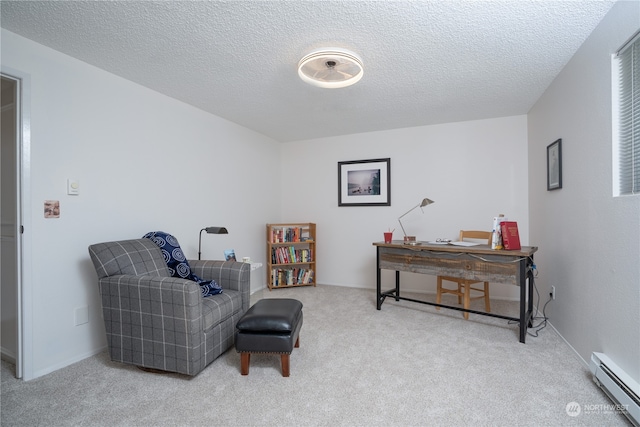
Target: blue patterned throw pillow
<point x="177" y="262"/>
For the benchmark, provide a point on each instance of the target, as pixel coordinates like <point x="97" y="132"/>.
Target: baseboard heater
<point x="619" y="386"/>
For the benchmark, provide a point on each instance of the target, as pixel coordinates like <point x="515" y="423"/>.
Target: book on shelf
<point x="291" y="276"/>
<point x="290" y="234"/>
<point x="510" y="235"/>
<point x="289" y="254"/>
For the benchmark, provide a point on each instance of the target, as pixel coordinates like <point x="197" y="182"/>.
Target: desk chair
<point x="464" y="287"/>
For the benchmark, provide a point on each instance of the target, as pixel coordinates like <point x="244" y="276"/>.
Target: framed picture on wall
<point x="554" y="165"/>
<point x="364" y="182"/>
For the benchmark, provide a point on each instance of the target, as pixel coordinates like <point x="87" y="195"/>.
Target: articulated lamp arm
<point x="404" y="232"/>
<point x="422" y="204"/>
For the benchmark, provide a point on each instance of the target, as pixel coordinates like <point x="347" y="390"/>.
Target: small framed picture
<point x="554" y="165"/>
<point x="364" y="183"/>
<point x="52" y="209"/>
<point x="230" y="255"/>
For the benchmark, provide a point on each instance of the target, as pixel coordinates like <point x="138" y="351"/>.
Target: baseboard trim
<point x="68" y="362"/>
<point x="7" y="355"/>
<point x="584" y="362"/>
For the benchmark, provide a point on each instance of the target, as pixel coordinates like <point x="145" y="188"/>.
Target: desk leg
<point x="530" y="283"/>
<point x="378" y="277"/>
<point x="397" y="285"/>
<point x="523" y="300"/>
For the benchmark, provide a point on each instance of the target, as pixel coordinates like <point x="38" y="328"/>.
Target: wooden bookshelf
<point x="291" y="255"/>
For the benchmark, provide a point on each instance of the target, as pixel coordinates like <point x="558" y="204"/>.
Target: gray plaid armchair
<point x="157" y="321"/>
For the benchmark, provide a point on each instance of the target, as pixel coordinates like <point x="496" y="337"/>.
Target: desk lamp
<point x="210" y="230"/>
<point x="411" y="240"/>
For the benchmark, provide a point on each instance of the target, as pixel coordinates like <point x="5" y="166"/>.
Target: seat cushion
<point x="220" y="307"/>
<point x="271" y="315"/>
<point x="268" y="342"/>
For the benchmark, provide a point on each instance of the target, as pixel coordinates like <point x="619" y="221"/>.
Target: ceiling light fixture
<point x="331" y="68"/>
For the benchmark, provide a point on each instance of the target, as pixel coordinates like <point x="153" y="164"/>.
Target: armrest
<point x="153" y="296"/>
<point x="154" y="321"/>
<point x="228" y="274"/>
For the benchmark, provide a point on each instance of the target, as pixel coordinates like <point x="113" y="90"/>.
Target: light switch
<point x="73" y="187"/>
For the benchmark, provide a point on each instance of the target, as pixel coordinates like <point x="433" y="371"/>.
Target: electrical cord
<point x="543" y="324"/>
<point x="457" y="254"/>
<point x="543" y="319"/>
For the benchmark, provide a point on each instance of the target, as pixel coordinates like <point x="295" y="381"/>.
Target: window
<point x="627" y="140"/>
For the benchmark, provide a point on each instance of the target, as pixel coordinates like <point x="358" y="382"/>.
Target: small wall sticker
<point x="52" y="209"/>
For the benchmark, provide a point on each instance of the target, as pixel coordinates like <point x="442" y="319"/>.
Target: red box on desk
<point x="510" y="235"/>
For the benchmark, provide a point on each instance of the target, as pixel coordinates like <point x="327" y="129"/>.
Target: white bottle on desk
<point x="496" y="235"/>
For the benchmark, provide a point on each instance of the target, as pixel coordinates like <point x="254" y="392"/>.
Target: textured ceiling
<point x="425" y="62"/>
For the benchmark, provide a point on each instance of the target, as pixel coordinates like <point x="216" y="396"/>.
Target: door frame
<point x="24" y="356"/>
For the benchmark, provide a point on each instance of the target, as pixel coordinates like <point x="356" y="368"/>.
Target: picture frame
<point x="364" y="182"/>
<point x="230" y="255"/>
<point x="52" y="208"/>
<point x="554" y="165"/>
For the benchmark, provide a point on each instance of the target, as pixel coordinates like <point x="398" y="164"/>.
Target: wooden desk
<point x="473" y="262"/>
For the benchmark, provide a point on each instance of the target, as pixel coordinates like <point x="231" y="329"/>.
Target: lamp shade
<point x="216" y="230"/>
<point x="426" y="202"/>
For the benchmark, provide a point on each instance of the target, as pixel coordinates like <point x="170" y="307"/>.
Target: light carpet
<point x="405" y="365"/>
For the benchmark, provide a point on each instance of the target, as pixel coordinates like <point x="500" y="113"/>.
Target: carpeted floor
<point x="405" y="365"/>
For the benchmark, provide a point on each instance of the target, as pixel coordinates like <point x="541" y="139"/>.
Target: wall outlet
<point x="552" y="293"/>
<point x="81" y="315"/>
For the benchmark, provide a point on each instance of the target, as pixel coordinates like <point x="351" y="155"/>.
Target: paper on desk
<point x="464" y="243"/>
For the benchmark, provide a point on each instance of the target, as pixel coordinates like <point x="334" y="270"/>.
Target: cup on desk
<point x="388" y="236"/>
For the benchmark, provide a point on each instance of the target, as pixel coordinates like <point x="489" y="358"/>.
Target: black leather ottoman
<point x="269" y="326"/>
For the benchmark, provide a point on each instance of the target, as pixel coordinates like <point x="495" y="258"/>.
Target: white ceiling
<point x="426" y="62"/>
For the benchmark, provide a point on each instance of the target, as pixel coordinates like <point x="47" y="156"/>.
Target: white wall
<point x="115" y="137"/>
<point x="472" y="170"/>
<point x="589" y="240"/>
<point x="145" y="162"/>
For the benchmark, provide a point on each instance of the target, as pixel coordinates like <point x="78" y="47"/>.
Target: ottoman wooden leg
<point x="297" y="345"/>
<point x="284" y="359"/>
<point x="245" y="358"/>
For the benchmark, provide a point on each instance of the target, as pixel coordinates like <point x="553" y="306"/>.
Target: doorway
<point x="15" y="328"/>
<point x="9" y="220"/>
